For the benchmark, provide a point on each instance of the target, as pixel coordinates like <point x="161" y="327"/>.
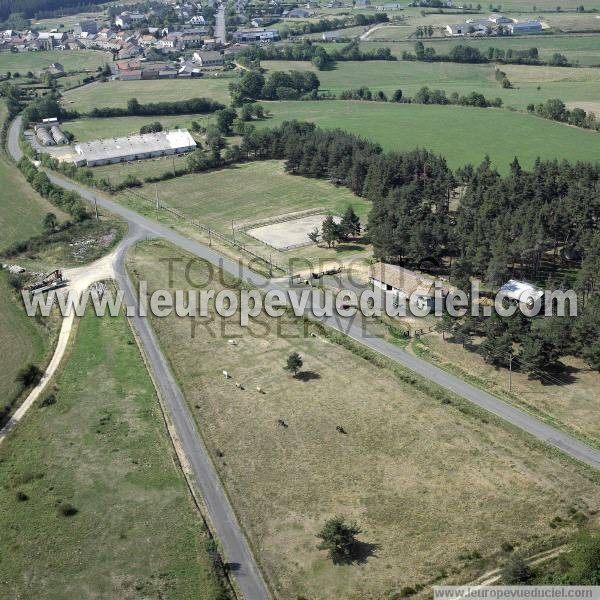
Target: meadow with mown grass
<point x="436" y="487"/>
<point x="531" y="84"/>
<point x="117" y="93"/>
<point x="462" y="135"/>
<point x="71" y="60"/>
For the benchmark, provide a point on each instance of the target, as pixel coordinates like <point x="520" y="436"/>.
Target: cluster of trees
<point x="279" y="85"/>
<point x="332" y="232"/>
<point x="13" y="97"/>
<point x="151" y="127"/>
<point x="304" y="27"/>
<point x="502" y="79"/>
<point x="248" y="112"/>
<point x="469" y="54"/>
<point x="179" y="107"/>
<point x="556" y="110"/>
<point x="68" y="201"/>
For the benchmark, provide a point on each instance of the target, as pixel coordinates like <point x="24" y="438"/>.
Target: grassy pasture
<point x="102" y="448"/>
<point x="71" y="60"/>
<point x="463" y="135"/>
<point x="583" y="49"/>
<point x="251" y="192"/>
<point x="117" y="93"/>
<point x="425" y="481"/>
<point x="571" y="85"/>
<point x="86" y="130"/>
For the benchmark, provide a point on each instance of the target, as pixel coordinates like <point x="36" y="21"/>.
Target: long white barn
<point x="133" y="147"/>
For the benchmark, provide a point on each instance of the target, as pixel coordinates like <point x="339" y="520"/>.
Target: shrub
<point x="67" y="510"/>
<point x="48" y="400"/>
<point x="29" y="375"/>
<point x="22" y="496"/>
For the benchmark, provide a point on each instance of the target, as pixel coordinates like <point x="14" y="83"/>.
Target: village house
<point x="209" y="59"/>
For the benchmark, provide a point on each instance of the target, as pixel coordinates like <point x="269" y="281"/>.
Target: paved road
<point x="220" y="33"/>
<point x="519" y="418"/>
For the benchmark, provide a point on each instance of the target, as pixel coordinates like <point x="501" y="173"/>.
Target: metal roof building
<point x="134" y="147"/>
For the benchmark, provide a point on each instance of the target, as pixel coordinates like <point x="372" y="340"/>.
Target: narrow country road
<point x="517" y="417"/>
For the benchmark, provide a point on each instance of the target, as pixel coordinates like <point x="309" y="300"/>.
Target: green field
<point x="248" y="193"/>
<point x="251" y="191"/>
<point x="117" y="93"/>
<point x="85" y="130"/>
<point x="103" y="449"/>
<point x="395" y="472"/>
<point x="461" y="134"/>
<point x="71" y="60"/>
<point x="571" y="85"/>
<point x="581" y="49"/>
<point x="25" y="339"/>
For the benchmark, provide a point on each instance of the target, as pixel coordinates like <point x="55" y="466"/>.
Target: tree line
<point x="306" y="50"/>
<point x="463" y="53"/>
<point x="556" y="110"/>
<point x="423" y="96"/>
<point x="304" y="27"/>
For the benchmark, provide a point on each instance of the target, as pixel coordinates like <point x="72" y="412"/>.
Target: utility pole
<point x="232" y="231"/>
<point x="510" y="359"/>
<point x="95" y="201"/>
<point x="209" y="239"/>
<point x="157" y="204"/>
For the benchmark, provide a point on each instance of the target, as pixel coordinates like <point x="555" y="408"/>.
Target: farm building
<point x="403" y="283"/>
<point x="521" y="291"/>
<point x="256" y="35"/>
<point x="330" y="36"/>
<point x="134" y="147"/>
<point x="58" y="135"/>
<point x="525" y="27"/>
<point x="44" y="136"/>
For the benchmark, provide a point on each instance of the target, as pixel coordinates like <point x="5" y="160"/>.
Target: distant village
<point x="192" y="35"/>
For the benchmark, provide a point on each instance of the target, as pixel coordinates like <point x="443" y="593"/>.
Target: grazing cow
<point x="260" y="390"/>
<point x="220" y="454"/>
<point x="282" y="423"/>
<point x="340" y="429"/>
<point x="239" y="386"/>
<point x="226" y="375"/>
